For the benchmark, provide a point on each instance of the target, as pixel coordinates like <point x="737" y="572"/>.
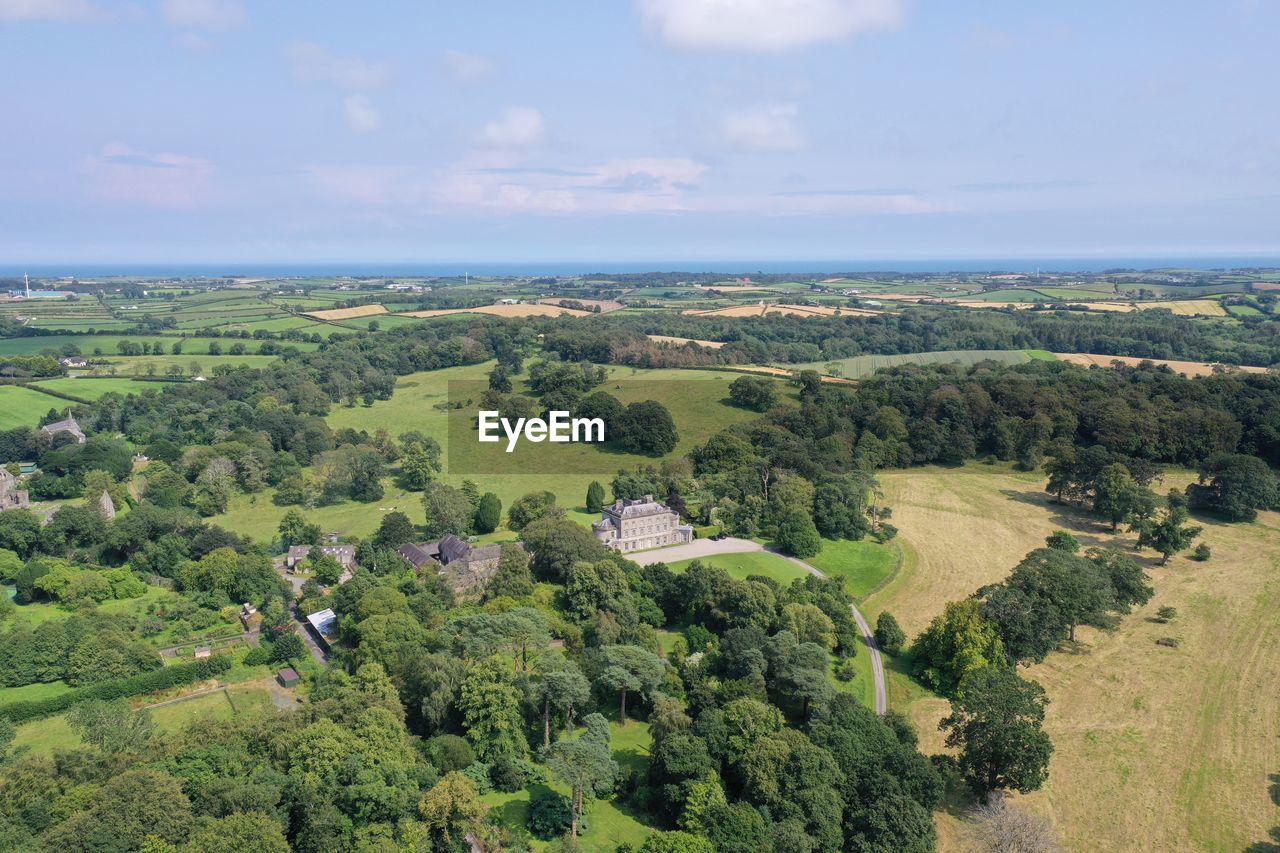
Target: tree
<point x="956" y="643"/>
<point x="1117" y="497"/>
<point x="648" y="429"/>
<point x="490" y="707"/>
<point x="215" y="486"/>
<point x="241" y="832"/>
<point x="1235" y="486"/>
<point x="995" y="722"/>
<point x="1000" y="828"/>
<point x="124" y="812"/>
<point x="1167" y="534"/>
<point x="488" y="513"/>
<point x="419" y="460"/>
<point x="562" y="689"/>
<point x="451" y="810"/>
<point x="630" y="669"/>
<point x="889" y="634"/>
<point x="512" y="577"/>
<point x="111" y="726"/>
<point x="584" y="764"/>
<point x="295" y="530"/>
<point x="448" y="511"/>
<point x="394" y="530"/>
<point x="753" y="392"/>
<point x="595" y="497"/>
<point x="676" y="842"/>
<point x="529" y="508"/>
<point x="797" y="534"/>
<point x="288" y="647"/>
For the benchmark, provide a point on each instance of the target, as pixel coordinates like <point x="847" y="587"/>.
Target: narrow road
<point x="709" y="547"/>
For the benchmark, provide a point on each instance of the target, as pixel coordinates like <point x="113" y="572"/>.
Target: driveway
<point x="709" y="547"/>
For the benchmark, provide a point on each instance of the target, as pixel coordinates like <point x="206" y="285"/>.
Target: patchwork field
<point x="1190" y="368"/>
<point x="862" y="366"/>
<point x="526" y="309"/>
<point x="348" y="313"/>
<point x="679" y="342"/>
<point x="789" y="310"/>
<point x="1175" y="747"/>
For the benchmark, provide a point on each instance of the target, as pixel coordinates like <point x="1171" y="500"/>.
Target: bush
<point x="257" y="656"/>
<point x="508" y="776"/>
<point x="1201" y="552"/>
<point x="450" y="752"/>
<point x="550" y="815"/>
<point x="1166" y="614"/>
<point x="846" y="671"/>
<point x="478" y="773"/>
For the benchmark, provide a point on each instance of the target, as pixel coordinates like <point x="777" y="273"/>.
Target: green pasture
<point x="24" y="407"/>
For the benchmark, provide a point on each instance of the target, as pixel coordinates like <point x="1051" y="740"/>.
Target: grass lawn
<point x="44" y="611"/>
<point x="32" y="692"/>
<point x="92" y="389"/>
<point x="863" y="565"/>
<point x="42" y="737"/>
<point x="744" y="565"/>
<point x="222" y="705"/>
<point x="1174" y="746"/>
<point x="24" y="407"/>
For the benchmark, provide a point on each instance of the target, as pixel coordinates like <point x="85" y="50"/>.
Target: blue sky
<point x="218" y="130"/>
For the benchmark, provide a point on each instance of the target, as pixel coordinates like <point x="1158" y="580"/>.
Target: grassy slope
<point x="1173" y="746"/>
<point x="696" y="404"/>
<point x="744" y="565"/>
<point x="863" y="565"/>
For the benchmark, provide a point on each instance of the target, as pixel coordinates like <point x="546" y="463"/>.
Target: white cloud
<point x="765" y="25"/>
<point x="123" y="174"/>
<point x="769" y="127"/>
<point x="312" y="63"/>
<point x="518" y="127"/>
<point x="468" y="67"/>
<point x="203" y="14"/>
<point x="47" y="10"/>
<point x="361" y="115"/>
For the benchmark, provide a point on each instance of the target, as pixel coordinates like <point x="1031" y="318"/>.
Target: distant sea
<point x="554" y="268"/>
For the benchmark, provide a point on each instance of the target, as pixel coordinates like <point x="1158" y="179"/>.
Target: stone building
<point x="463" y="566"/>
<point x="11" y="497"/>
<point x="628" y="525"/>
<point x="69" y="425"/>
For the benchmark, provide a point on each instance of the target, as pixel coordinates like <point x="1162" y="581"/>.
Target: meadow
<point x="1176" y="747"/>
<point x="862" y="366"/>
<point x="24" y="407"/>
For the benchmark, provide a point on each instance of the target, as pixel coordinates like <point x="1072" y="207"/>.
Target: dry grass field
<point x="523" y="310"/>
<point x="679" y="342"/>
<point x="791" y="310"/>
<point x="1190" y="368"/>
<point x="606" y="305"/>
<point x="348" y="313"/>
<point x="1155" y="748"/>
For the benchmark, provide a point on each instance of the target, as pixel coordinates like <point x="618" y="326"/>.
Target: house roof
<point x="323" y="621"/>
<point x="68" y="425"/>
<point x="288" y="674"/>
<point x="452" y="548"/>
<point x="418" y="555"/>
<point x="636" y="508"/>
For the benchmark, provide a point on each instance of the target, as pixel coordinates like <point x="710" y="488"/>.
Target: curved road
<point x="708" y="547"/>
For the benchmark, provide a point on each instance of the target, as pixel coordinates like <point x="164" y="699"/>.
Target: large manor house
<point x="634" y="525"/>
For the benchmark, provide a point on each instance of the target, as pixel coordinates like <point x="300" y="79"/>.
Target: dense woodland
<point x="433" y="702"/>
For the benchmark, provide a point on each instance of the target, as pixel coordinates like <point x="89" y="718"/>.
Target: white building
<point x="636" y="525"/>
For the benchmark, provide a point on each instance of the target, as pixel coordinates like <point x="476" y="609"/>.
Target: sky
<point x="636" y="130"/>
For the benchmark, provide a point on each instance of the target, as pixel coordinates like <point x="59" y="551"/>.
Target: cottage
<point x="11" y="497"/>
<point x="633" y="525"/>
<point x="68" y="425"/>
<point x="462" y="565"/>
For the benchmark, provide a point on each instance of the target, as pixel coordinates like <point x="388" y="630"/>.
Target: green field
<point x="92" y="389"/>
<point x="862" y="366"/>
<point x="741" y="566"/>
<point x="32" y="692"/>
<point x="24" y="407"/>
<point x="863" y="566"/>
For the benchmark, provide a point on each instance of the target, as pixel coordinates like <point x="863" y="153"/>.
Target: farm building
<point x="463" y="566"/>
<point x="323" y="624"/>
<point x="288" y="677"/>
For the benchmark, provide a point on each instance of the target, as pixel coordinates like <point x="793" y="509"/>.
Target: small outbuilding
<point x="288" y="677"/>
<point x="203" y="652"/>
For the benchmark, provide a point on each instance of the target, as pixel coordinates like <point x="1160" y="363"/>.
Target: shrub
<point x="257" y="656"/>
<point x="1166" y="614"/>
<point x="508" y="776"/>
<point x="450" y="752"/>
<point x="550" y="815"/>
<point x="478" y="773"/>
<point x="1201" y="552"/>
<point x="846" y="671"/>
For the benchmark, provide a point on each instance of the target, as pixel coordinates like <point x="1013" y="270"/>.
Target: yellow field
<point x="1190" y="368"/>
<point x="792" y="310"/>
<point x="1155" y="748"/>
<point x="679" y="342"/>
<point x="606" y="305"/>
<point x="347" y="313"/>
<point x="524" y="310"/>
<point x="1190" y="307"/>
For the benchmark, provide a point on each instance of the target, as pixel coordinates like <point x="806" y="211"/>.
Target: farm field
<point x="862" y="366"/>
<point x="537" y="309"/>
<point x="348" y="313"/>
<point x="106" y="345"/>
<point x="1190" y="368"/>
<point x="1173" y="746"/>
<point x="790" y="310"/>
<point x="24" y="407"/>
<point x="92" y="389"/>
<point x="679" y="342"/>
